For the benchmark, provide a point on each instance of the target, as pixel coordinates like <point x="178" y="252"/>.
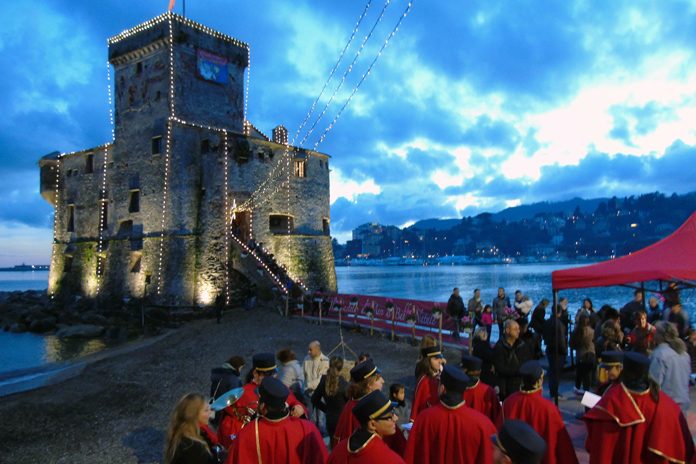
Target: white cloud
<point x="350" y="189"/>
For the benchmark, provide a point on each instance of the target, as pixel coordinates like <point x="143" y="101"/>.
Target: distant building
<point x="152" y="212"/>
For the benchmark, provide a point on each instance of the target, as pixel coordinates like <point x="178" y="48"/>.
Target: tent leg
<point x="555" y="364"/>
<point x="642" y="292"/>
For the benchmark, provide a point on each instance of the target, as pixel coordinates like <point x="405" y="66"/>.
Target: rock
<point x="81" y="331"/>
<point x="93" y="319"/>
<point x="42" y="325"/>
<point x="18" y="328"/>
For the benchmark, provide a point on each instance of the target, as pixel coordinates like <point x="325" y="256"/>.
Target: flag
<point x="171" y="4"/>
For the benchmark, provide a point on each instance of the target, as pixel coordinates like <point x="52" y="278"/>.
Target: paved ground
<point x="118" y="409"/>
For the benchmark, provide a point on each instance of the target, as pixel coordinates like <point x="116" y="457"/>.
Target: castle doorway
<point x="241" y="225"/>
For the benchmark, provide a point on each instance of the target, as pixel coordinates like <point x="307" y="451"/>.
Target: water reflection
<point x="57" y="349"/>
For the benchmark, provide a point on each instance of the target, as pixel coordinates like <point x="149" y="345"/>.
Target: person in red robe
<point x="636" y="422"/>
<point x="610" y="366"/>
<point x="450" y="432"/>
<point x="478" y="395"/>
<point x="528" y="405"/>
<point x="242" y="411"/>
<point x="275" y="436"/>
<point x="366" y="378"/>
<point x="374" y="413"/>
<point x="518" y="443"/>
<point x="427" y="388"/>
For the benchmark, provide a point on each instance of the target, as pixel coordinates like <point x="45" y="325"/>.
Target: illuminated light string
<point x="333" y="71"/>
<point x="286" y="153"/>
<point x="167" y="152"/>
<point x="261" y="189"/>
<point x="262" y="263"/>
<point x="56" y="212"/>
<point x="246" y="90"/>
<point x="169" y="16"/>
<point x="347" y="72"/>
<point x="227" y="222"/>
<point x="103" y="200"/>
<point x="367" y="73"/>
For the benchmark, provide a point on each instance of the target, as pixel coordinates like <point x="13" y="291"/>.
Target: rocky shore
<point x="118" y="409"/>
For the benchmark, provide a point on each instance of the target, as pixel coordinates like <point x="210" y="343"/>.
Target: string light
<point x="348" y="71"/>
<point x="167" y="151"/>
<point x="251" y="252"/>
<point x="248" y="83"/>
<point x="367" y="73"/>
<point x="103" y="200"/>
<point x="227" y="223"/>
<point x="56" y="212"/>
<point x="333" y="71"/>
<point x="169" y="16"/>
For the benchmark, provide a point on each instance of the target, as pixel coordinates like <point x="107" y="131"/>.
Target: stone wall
<point x="307" y="256"/>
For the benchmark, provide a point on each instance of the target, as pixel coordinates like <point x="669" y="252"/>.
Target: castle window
<point x="138" y="67"/>
<point x="71" y="218"/>
<point x="205" y="146"/>
<point x="300" y="169"/>
<point x="89" y="164"/>
<point x="104" y="214"/>
<point x="67" y="263"/>
<point x="125" y="228"/>
<point x="157" y="145"/>
<point x="134" y="201"/>
<point x="136" y="259"/>
<point x="280" y="223"/>
<point x="326" y="226"/>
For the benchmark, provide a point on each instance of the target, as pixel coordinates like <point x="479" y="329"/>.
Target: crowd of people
<point x="487" y="408"/>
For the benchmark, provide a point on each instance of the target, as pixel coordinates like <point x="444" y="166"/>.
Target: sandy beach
<point x="117" y="410"/>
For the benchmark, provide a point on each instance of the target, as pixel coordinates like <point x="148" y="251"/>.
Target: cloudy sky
<point x="474" y="105"/>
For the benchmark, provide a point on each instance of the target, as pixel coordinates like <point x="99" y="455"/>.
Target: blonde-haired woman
<point x="185" y="444"/>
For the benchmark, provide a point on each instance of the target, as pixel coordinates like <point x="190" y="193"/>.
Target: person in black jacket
<point x="330" y="394"/>
<point x="185" y="444"/>
<point x="482" y="350"/>
<point x="508" y="355"/>
<point x="455" y="309"/>
<point x="226" y="377"/>
<point x="538" y="317"/>
<point x="556" y="347"/>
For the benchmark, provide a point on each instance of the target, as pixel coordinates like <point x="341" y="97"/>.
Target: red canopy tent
<point x="671" y="259"/>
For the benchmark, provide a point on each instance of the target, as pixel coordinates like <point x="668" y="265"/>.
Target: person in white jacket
<point x="314" y="366"/>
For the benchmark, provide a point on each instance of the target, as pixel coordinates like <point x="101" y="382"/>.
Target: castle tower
<point x="150" y="213"/>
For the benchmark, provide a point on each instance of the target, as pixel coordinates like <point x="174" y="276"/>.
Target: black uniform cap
<point x="431" y="352"/>
<point x="611" y="358"/>
<point x="520" y="442"/>
<point x="372" y="406"/>
<point x="454" y="379"/>
<point x="531" y="371"/>
<point x="273" y="392"/>
<point x="264" y="362"/>
<point x="637" y="363"/>
<point x="471" y="363"/>
<point x="364" y="370"/>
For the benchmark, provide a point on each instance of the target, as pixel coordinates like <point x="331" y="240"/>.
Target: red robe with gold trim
<point x="246" y="405"/>
<point x="628" y="427"/>
<point x="543" y="416"/>
<point x="445" y="434"/>
<point x="426" y="395"/>
<point x="284" y="441"/>
<point x="374" y="451"/>
<point x="347" y="424"/>
<point x="482" y="398"/>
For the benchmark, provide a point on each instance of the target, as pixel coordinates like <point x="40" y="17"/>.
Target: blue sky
<point x="474" y="106"/>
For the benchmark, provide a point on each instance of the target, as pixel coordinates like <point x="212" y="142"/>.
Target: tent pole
<point x="642" y="291"/>
<point x="554" y="314"/>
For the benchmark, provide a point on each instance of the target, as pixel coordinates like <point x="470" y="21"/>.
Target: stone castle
<point x="166" y="210"/>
